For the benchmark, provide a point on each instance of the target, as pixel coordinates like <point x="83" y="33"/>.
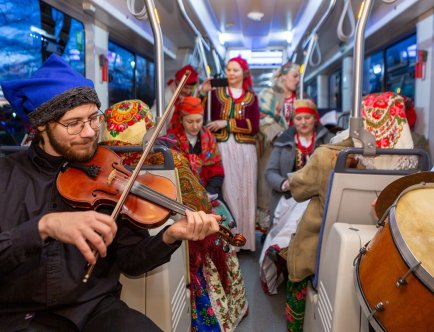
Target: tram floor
<point x="266" y="312"/>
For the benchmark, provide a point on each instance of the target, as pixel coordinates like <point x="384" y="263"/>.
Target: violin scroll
<point x="226" y="235"/>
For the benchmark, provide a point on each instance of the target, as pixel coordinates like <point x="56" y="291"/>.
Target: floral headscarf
<point x="126" y="123"/>
<point x="384" y="116"/>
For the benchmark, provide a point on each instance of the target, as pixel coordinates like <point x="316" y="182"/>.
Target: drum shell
<point x="407" y="308"/>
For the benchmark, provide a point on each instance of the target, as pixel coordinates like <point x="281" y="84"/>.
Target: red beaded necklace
<point x="236" y="100"/>
<point x="305" y="150"/>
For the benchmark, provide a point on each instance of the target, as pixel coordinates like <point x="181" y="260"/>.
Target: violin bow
<point x="140" y="163"/>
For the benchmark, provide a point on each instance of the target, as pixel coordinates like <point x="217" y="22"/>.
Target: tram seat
<point x="162" y="294"/>
<point x="347" y="224"/>
<point x="333" y="119"/>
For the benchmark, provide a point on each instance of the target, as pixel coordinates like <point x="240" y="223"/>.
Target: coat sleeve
<point x="137" y="252"/>
<point x="272" y="172"/>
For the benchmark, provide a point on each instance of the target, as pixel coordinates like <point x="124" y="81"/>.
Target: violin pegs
<point x="231" y="224"/>
<point x="239" y="240"/>
<point x="218" y="242"/>
<point x="223" y="218"/>
<point x="226" y="248"/>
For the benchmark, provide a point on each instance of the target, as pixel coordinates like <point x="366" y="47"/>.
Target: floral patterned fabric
<point x="209" y="162"/>
<point x="203" y="317"/>
<point x="127" y="121"/>
<point x="295" y="304"/>
<point x="215" y="309"/>
<point x="385" y="117"/>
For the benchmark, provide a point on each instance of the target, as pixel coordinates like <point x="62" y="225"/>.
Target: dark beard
<point x="68" y="152"/>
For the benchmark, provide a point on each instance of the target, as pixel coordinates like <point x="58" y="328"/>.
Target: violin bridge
<point x="111" y="177"/>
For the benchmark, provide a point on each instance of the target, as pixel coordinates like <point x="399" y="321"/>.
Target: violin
<point x="151" y="201"/>
<point x="107" y="181"/>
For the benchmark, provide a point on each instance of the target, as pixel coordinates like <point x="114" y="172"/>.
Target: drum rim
<point x="364" y="304"/>
<point x="421" y="273"/>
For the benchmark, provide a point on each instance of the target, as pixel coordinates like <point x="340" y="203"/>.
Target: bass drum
<point x="394" y="272"/>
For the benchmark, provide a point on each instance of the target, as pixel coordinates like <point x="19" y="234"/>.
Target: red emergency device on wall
<point x="422" y="56"/>
<point x="103" y="64"/>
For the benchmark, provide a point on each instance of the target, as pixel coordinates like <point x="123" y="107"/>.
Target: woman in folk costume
<point x="198" y="145"/>
<point x="235" y="122"/>
<point x="384" y="116"/>
<point x="276" y="104"/>
<point x="291" y="151"/>
<point x="217" y="289"/>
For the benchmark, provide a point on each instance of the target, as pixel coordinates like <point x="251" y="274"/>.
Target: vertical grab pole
<point x="312" y="41"/>
<point x="200" y="42"/>
<point x="158" y="53"/>
<point x="208" y="74"/>
<point x="356" y="124"/>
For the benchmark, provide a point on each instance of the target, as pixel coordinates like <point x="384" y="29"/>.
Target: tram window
<point x="145" y="87"/>
<point x="373" y="73"/>
<point x="130" y="76"/>
<point x="400" y="64"/>
<point x="30" y="31"/>
<point x="335" y="85"/>
<point x="121" y="64"/>
<point x="312" y="91"/>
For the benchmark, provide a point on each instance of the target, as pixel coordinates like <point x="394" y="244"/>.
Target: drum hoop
<point x="422" y="274"/>
<point x="364" y="304"/>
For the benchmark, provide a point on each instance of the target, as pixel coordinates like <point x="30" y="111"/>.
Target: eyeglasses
<point x="75" y="127"/>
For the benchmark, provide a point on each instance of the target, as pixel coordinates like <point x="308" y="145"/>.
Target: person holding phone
<point x="189" y="89"/>
<point x="235" y="123"/>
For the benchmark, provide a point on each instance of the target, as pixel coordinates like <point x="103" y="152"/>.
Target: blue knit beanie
<point x="50" y="92"/>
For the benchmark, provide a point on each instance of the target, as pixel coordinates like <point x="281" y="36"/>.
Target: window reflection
<point x="400" y="61"/>
<point x="373" y="73"/>
<point x="30" y="31"/>
<point x="121" y="73"/>
<point x="392" y="69"/>
<point x="131" y="76"/>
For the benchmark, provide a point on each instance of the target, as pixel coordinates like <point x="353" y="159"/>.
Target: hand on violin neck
<point x="195" y="226"/>
<point x="87" y="230"/>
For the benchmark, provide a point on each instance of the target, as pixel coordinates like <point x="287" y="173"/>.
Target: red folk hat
<point x="192" y="79"/>
<point x="190" y="105"/>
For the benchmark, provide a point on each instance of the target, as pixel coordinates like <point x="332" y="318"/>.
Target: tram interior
<point x="105" y="42"/>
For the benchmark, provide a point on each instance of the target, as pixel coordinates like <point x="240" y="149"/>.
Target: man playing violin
<point x="45" y="244"/>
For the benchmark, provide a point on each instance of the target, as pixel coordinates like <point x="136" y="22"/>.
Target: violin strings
<point x="166" y="201"/>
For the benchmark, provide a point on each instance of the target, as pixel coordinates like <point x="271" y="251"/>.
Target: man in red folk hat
<point x="188" y="90"/>
<point x="45" y="244"/>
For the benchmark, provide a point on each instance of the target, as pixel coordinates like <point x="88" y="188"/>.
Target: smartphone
<point x="219" y="82"/>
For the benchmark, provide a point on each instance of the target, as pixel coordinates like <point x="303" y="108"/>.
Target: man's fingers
<point x="105" y="232"/>
<point x="96" y="241"/>
<point x="85" y="250"/>
<point x="108" y="220"/>
<point x="199" y="225"/>
<point x="190" y="222"/>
